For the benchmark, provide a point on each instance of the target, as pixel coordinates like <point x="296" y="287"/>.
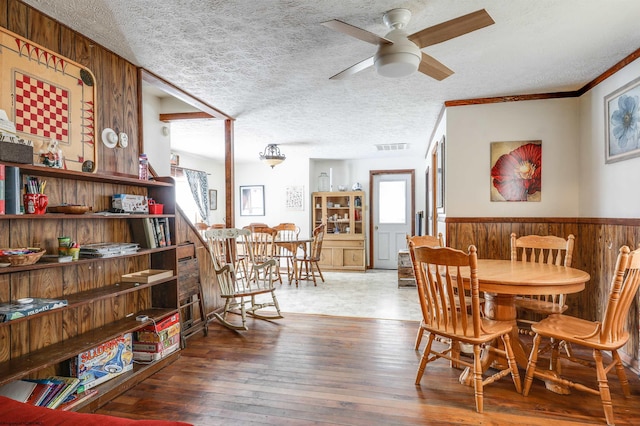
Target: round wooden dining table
<point x="503" y="280"/>
<point x="292" y="246"/>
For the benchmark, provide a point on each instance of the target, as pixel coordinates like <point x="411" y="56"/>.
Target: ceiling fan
<point x="399" y="53"/>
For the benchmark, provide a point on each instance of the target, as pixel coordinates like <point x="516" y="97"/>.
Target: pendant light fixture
<point x="272" y="155"/>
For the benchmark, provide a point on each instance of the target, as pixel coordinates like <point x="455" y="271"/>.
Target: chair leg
<point x="603" y="386"/>
<point x="319" y="271"/>
<point x="531" y="366"/>
<point x="419" y="336"/>
<point x="454" y="352"/>
<point x="513" y="365"/>
<point x="622" y="376"/>
<point x="424" y="359"/>
<point x="477" y="379"/>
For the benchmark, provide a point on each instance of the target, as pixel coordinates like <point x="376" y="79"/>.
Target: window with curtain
<point x="192" y="193"/>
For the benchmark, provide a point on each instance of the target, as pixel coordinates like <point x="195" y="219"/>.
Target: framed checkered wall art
<point x="51" y="100"/>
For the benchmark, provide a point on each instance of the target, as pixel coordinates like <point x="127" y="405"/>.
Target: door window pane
<point x="392" y="201"/>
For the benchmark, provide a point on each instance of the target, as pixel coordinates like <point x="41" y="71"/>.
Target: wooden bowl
<point x="69" y="209"/>
<point x="31" y="256"/>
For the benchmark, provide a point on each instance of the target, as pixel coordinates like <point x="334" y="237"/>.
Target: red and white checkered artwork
<point x="42" y="109"/>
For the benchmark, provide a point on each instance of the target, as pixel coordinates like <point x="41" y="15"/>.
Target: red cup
<point x="35" y="203"/>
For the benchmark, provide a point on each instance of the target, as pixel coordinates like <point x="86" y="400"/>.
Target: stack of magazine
<point x="108" y="249"/>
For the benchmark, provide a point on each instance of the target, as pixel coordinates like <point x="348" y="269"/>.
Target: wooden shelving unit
<point x="100" y="306"/>
<point x="343" y="248"/>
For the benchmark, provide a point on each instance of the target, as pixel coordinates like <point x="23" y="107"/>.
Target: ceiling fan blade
<point x="433" y="68"/>
<point x="452" y="29"/>
<point x="362" y="65"/>
<point x="356" y="32"/>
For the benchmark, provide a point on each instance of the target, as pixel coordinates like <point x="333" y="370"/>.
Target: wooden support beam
<point x="185" y="116"/>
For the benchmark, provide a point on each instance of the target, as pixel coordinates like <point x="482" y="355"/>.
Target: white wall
<point x="606" y="190"/>
<point x="292" y="172"/>
<point x="155" y="144"/>
<point x="470" y="131"/>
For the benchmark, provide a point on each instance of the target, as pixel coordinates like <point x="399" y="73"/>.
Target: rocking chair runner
<point x="241" y="278"/>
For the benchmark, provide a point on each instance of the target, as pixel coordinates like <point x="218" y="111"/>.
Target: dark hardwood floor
<point x="324" y="370"/>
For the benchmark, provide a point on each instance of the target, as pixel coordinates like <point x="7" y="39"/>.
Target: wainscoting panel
<point x="597" y="243"/>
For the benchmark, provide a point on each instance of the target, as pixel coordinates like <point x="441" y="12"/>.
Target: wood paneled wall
<point x="596" y="250"/>
<point x="116" y="79"/>
<point x="117" y="107"/>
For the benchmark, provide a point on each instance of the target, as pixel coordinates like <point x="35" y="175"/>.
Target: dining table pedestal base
<point x="501" y="307"/>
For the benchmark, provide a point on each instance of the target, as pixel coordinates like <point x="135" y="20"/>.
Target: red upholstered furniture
<point x="14" y="412"/>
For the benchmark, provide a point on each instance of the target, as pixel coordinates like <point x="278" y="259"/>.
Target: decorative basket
<point x="21" y="256"/>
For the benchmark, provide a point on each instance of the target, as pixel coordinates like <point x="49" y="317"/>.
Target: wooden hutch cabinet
<point x="343" y="248"/>
<point x="100" y="306"/>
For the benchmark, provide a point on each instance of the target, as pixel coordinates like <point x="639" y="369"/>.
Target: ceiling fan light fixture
<point x="397" y="65"/>
<point x="398" y="59"/>
<point x="272" y="155"/>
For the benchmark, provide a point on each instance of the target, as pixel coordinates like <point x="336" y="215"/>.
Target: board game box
<point x="103" y="362"/>
<point x="155" y="346"/>
<point x="155" y="356"/>
<point x="28" y="306"/>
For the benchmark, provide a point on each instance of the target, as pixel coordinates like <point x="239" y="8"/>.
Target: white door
<point x="391" y="217"/>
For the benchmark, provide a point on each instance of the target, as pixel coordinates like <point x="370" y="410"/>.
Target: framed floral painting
<point x="622" y="123"/>
<point x="516" y="171"/>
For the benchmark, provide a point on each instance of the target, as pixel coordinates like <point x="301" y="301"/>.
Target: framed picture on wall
<point x="252" y="200"/>
<point x="622" y="123"/>
<point x="213" y="199"/>
<point x="516" y="171"/>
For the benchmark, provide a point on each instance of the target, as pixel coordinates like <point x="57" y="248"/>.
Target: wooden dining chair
<point x="448" y="313"/>
<point x="609" y="335"/>
<point x="287" y="232"/>
<point x="263" y="246"/>
<point x="421" y="241"/>
<point x="542" y="249"/>
<point x="242" y="279"/>
<point x="311" y="259"/>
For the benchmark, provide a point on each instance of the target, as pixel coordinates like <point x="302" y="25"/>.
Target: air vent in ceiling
<point x="392" y="146"/>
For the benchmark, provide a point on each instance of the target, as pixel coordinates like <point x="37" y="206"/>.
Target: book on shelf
<point x="28" y="306"/>
<point x="151" y="232"/>
<point x="75" y="399"/>
<point x="55" y="258"/>
<point x="1" y="188"/>
<point x="56" y="386"/>
<point x="18" y="390"/>
<point x="165" y="226"/>
<point x="70" y="384"/>
<point x="162" y="242"/>
<point x="38" y="394"/>
<point x="144" y="233"/>
<point x="12" y="190"/>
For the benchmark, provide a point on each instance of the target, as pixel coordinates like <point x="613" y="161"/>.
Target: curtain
<point x="200" y="191"/>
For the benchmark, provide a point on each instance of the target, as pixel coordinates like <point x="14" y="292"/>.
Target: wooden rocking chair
<point x="242" y="280"/>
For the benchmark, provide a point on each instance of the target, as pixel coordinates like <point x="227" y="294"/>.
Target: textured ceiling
<point x="268" y="62"/>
